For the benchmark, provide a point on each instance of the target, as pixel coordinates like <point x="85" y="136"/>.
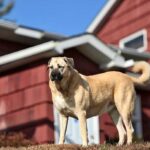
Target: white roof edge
<point x="101" y="15"/>
<point x="26" y="53"/>
<point x="22" y="30"/>
<point x="52" y="47"/>
<point x="87" y="38"/>
<point x="8" y="24"/>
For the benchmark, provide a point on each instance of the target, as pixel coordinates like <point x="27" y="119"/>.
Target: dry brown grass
<point x="140" y="146"/>
<point x="18" y="141"/>
<point x="14" y="140"/>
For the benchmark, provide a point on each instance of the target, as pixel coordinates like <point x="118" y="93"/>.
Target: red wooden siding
<point x="25" y="101"/>
<point x="82" y="63"/>
<point x="129" y="17"/>
<point x="145" y="96"/>
<point x="108" y="131"/>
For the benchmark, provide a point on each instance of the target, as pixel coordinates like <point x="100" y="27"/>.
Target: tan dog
<point x="81" y="96"/>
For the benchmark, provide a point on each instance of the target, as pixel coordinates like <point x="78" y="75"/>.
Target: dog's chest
<point x="60" y="102"/>
<point x="62" y="105"/>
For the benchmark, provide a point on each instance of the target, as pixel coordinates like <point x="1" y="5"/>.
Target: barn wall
<point x="25" y="103"/>
<point x="129" y="17"/>
<point x="25" y="98"/>
<point x="145" y="99"/>
<point x="82" y="63"/>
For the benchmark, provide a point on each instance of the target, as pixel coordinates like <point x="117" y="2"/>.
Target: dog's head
<point x="60" y="67"/>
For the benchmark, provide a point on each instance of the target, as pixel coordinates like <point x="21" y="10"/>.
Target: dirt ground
<point x="142" y="146"/>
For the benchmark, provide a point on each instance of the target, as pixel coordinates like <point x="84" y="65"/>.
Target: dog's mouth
<point x="56" y="77"/>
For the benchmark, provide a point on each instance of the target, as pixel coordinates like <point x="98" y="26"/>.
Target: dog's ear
<point x="69" y="61"/>
<point x="49" y="62"/>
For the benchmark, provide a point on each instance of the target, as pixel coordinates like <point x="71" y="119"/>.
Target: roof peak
<point x="102" y="15"/>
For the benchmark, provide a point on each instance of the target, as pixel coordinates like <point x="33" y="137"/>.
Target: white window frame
<point x="142" y="32"/>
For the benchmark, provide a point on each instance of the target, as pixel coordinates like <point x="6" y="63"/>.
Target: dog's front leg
<point x="83" y="127"/>
<point x="63" y="127"/>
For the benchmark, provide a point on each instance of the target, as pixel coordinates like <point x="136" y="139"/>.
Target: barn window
<point x="137" y="119"/>
<point x="136" y="41"/>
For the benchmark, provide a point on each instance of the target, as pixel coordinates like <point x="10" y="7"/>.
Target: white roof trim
<point x="101" y="16"/>
<point x="15" y="56"/>
<point x="29" y="32"/>
<point x="76" y="41"/>
<point x="8" y="24"/>
<point x="27" y="55"/>
<point x="92" y="48"/>
<point x="115" y="59"/>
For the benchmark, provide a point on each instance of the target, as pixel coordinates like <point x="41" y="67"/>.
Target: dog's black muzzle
<point x="56" y="76"/>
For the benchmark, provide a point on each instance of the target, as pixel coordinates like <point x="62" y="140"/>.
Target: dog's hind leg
<point x="119" y="125"/>
<point x="129" y="128"/>
<point x="125" y="104"/>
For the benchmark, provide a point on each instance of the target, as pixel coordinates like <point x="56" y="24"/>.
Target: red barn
<point x="25" y="99"/>
<point x="126" y="24"/>
<point x="24" y="95"/>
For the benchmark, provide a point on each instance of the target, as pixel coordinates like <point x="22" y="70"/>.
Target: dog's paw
<point x="84" y="145"/>
<point x="129" y="142"/>
<point x="120" y="143"/>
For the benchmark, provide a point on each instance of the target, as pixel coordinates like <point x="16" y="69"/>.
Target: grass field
<point x="18" y="141"/>
<point x="142" y="146"/>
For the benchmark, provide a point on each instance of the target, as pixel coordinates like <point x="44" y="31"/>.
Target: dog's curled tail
<point x="143" y="68"/>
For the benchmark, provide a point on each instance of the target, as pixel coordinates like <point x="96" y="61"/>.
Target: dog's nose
<point x="56" y="75"/>
<point x="53" y="74"/>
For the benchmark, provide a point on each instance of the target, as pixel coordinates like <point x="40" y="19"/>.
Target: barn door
<point x="73" y="133"/>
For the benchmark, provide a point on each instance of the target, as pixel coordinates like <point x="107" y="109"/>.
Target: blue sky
<point x="66" y="17"/>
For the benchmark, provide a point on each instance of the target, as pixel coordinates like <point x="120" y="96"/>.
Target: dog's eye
<point x="60" y="67"/>
<point x="51" y="67"/>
